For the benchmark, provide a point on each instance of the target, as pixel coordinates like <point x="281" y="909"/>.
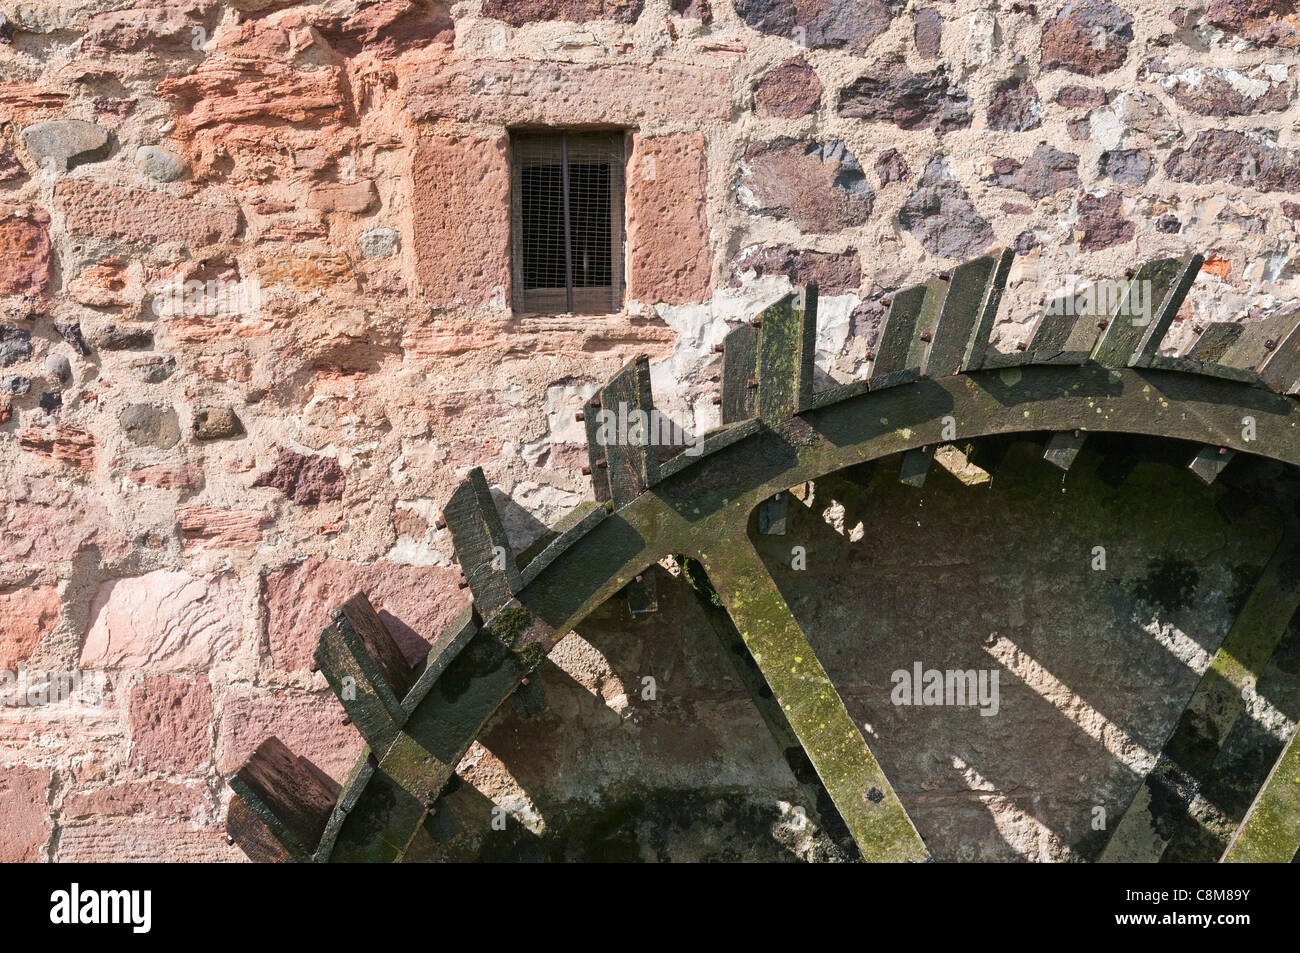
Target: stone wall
<point x="255" y="298"/>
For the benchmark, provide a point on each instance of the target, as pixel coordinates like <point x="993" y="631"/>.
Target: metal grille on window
<point x="567" y="209"/>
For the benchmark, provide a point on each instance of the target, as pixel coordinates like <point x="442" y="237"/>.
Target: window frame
<point x="571" y="299"/>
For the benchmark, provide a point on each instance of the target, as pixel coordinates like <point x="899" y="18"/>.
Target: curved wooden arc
<point x="1076" y="376"/>
<point x="702" y="504"/>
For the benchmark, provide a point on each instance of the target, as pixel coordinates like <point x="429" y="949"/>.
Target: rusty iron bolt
<point x="462" y="584"/>
<point x="945" y="275"/>
<point x="602" y="464"/>
<point x="871" y="355"/>
<point x="1198" y="328"/>
<point x="719" y="348"/>
<point x="594" y="402"/>
<point x="346" y="720"/>
<point x="756" y="323"/>
<point x="1270" y="344"/>
<point x="439" y="523"/>
<point x="1103" y="324"/>
<point x="752" y="382"/>
<point x="638" y="578"/>
<point x="1076" y="435"/>
<point x="717" y="399"/>
<point x="580" y="416"/>
<point x="586" y="471"/>
<point x="1022" y="346"/>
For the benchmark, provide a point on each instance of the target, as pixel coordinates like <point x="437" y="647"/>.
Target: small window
<point x="567" y="222"/>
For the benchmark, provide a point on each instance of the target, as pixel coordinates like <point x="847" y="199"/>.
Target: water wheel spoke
<point x="1271" y="831"/>
<point x="1189" y="757"/>
<point x="823" y="810"/>
<point x="852" y="776"/>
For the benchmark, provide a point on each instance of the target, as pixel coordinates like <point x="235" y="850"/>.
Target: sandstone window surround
<point x="462" y="171"/>
<point x="567" y="221"/>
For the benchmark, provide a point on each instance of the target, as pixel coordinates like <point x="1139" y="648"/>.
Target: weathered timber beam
<point x="824" y="812"/>
<point x="409" y="777"/>
<point x="915" y="466"/>
<point x="481" y="544"/>
<point x="787" y="345"/>
<point x="1210" y="461"/>
<point x="1146" y="308"/>
<point x="855" y="781"/>
<point x="1143" y="834"/>
<point x="739" y="373"/>
<point x="1270" y="834"/>
<point x="280" y="807"/>
<point x="970" y="309"/>
<point x="633" y="462"/>
<point x="902" y="346"/>
<point x="366" y="669"/>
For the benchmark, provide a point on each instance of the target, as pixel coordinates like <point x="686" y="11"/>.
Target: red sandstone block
<point x="669" y="260"/>
<point x="112" y="283"/>
<point x="535" y="91"/>
<point x="205" y="527"/>
<point x="68" y="445"/>
<point x="138" y="215"/>
<point x="25" y="251"/>
<point x="353" y="197"/>
<point x="22" y="102"/>
<point x="54" y="523"/>
<point x="415" y="602"/>
<point x="127" y="840"/>
<point x="26" y="617"/>
<point x="167" y="621"/>
<point x="310" y="725"/>
<point x="24" y="815"/>
<point x="170" y="718"/>
<point x="161" y="31"/>
<point x="168" y="476"/>
<point x="461" y="207"/>
<point x="165" y="800"/>
<point x="228" y="91"/>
